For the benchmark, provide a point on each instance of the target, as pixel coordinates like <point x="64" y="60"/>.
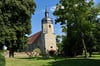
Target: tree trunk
<point x="90" y="53"/>
<point x="11" y="53"/>
<point x="84" y="46"/>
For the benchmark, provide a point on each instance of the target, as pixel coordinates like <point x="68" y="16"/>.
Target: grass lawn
<point x="25" y="61"/>
<point x="76" y="62"/>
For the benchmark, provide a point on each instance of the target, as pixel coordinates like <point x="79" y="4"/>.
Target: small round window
<point x="51" y="47"/>
<point x="49" y="26"/>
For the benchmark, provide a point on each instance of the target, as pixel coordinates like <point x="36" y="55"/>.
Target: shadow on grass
<point x="2" y="59"/>
<point x="76" y="62"/>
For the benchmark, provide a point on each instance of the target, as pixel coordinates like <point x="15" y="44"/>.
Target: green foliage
<point x="15" y="21"/>
<point x="77" y="18"/>
<point x="37" y="50"/>
<point x="2" y="59"/>
<point x="97" y="36"/>
<point x="59" y="44"/>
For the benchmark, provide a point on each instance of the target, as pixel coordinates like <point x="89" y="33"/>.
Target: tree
<point x="59" y="44"/>
<point x="92" y="41"/>
<point x="97" y="36"/>
<point x="97" y="30"/>
<point x="15" y="23"/>
<point x="74" y="14"/>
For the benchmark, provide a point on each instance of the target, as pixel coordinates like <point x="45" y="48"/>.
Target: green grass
<point x="28" y="62"/>
<point x="25" y="61"/>
<point x="2" y="59"/>
<point x="76" y="62"/>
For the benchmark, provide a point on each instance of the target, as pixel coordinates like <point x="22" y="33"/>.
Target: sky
<point x="39" y="14"/>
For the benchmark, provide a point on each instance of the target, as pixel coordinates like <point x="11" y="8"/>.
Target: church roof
<point x="34" y="37"/>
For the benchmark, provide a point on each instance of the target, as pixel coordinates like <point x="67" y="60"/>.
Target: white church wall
<point x="50" y="42"/>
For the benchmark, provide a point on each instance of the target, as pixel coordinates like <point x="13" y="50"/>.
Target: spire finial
<point x="46" y="12"/>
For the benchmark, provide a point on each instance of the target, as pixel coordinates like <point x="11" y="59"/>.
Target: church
<point x="45" y="40"/>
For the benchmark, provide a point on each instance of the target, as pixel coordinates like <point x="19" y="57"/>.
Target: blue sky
<point x="39" y="14"/>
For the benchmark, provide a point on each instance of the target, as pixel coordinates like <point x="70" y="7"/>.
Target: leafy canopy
<point x="15" y="21"/>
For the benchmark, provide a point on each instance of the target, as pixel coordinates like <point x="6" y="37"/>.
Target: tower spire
<point x="46" y="18"/>
<point x="46" y="13"/>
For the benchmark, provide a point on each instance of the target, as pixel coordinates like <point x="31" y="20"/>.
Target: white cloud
<point x="41" y="11"/>
<point x="53" y="8"/>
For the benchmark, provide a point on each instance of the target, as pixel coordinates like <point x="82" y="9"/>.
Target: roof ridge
<point x="34" y="37"/>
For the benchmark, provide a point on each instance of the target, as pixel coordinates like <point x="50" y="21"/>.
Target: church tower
<point x="48" y="37"/>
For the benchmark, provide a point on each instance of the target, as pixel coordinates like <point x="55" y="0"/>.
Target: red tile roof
<point x="34" y="37"/>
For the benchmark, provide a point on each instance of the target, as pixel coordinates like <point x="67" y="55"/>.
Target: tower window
<point x="51" y="46"/>
<point x="49" y="26"/>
